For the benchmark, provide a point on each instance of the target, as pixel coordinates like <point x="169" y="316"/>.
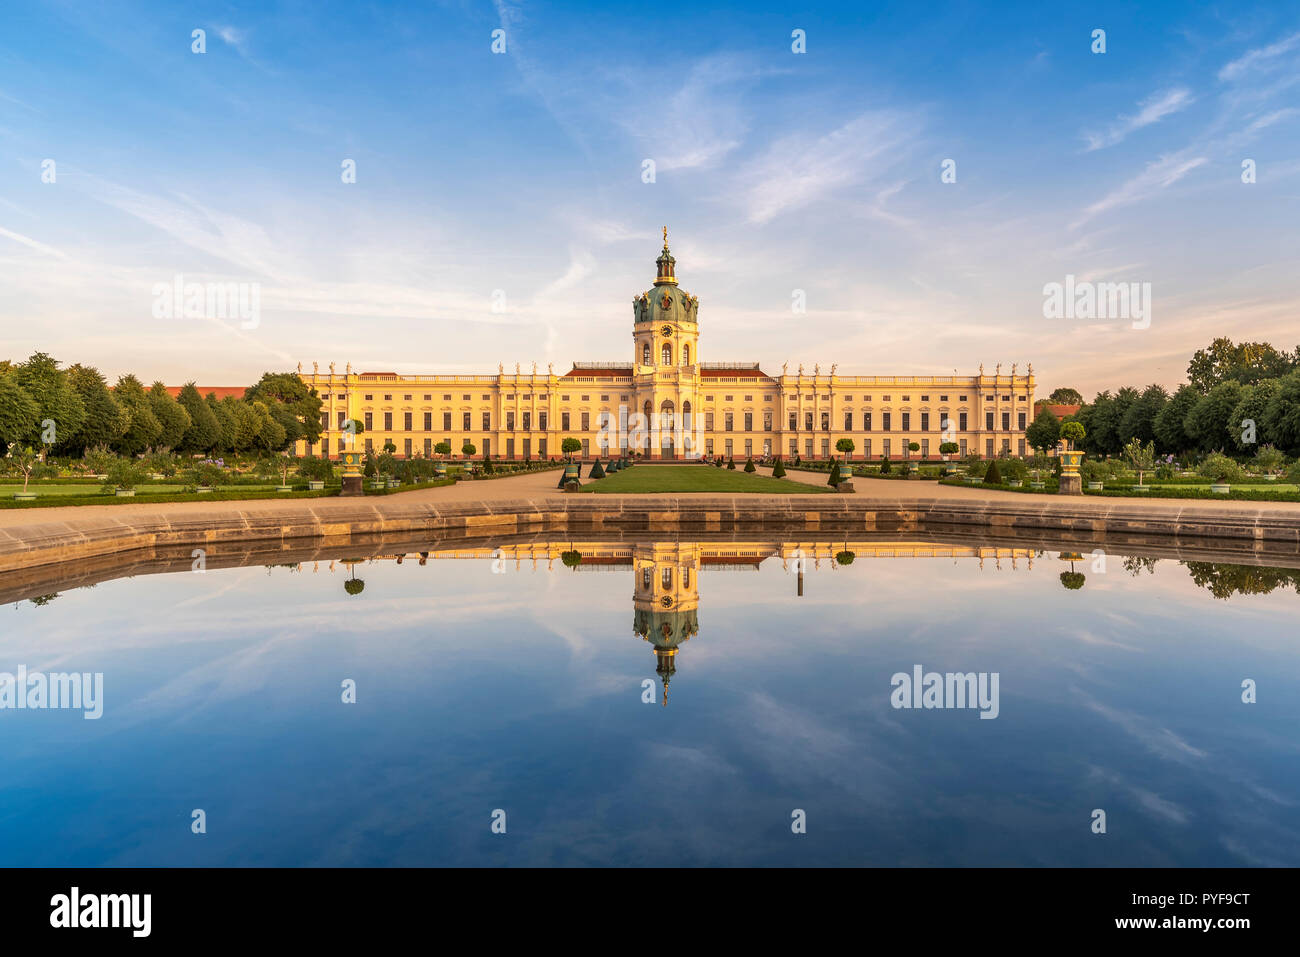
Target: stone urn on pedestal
<point x="351" y="472"/>
<point x="1071" y="480"/>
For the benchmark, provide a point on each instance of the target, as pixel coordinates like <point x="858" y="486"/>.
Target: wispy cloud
<point x="801" y="169"/>
<point x="1158" y="175"/>
<point x="1151" y="110"/>
<point x="1259" y="57"/>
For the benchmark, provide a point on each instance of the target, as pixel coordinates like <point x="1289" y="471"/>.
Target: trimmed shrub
<point x="731" y="464"/>
<point x="597" y="471"/>
<point x="749" y="466"/>
<point x="993" y="476"/>
<point x="885" y="467"/>
<point x="778" y="470"/>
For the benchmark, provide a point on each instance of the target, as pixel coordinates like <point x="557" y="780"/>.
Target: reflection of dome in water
<point x="665" y="630"/>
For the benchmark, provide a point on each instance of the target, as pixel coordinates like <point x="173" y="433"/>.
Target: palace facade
<point x="667" y="403"/>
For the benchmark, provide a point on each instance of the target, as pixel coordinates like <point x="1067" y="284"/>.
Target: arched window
<point x="645" y="354"/>
<point x="666" y="579"/>
<point x="666" y="355"/>
<point x="645" y="578"/>
<point x="686" y="355"/>
<point x="686" y="415"/>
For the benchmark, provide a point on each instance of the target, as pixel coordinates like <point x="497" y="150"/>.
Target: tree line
<point x="69" y="410"/>
<point x="1239" y="397"/>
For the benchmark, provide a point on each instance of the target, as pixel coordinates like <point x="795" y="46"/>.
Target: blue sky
<point x="522" y="172"/>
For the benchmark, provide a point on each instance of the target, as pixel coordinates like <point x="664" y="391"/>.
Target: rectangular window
<point x="1022" y="448"/>
<point x="925" y="421"/>
<point x="907" y="421"/>
<point x="848" y="421"/>
<point x="465" y="419"/>
<point x="988" y="448"/>
<point x="446" y="421"/>
<point x="528" y="422"/>
<point x="541" y="423"/>
<point x="807" y="447"/>
<point x="510" y="449"/>
<point x="885" y="444"/>
<point x="407" y="450"/>
<point x="884" y="420"/>
<point x="510" y="421"/>
<point x="794" y="421"/>
<point x="388" y="421"/>
<point x="428" y="447"/>
<point x="586" y="448"/>
<point x="528" y="448"/>
<point x="727" y="442"/>
<point x="808" y="427"/>
<point x="962" y="418"/>
<point x="866" y="421"/>
<point x="564" y="421"/>
<point x="541" y="447"/>
<point x="370" y="421"/>
<point x="1006" y="421"/>
<point x="343" y="417"/>
<point x="963" y="448"/>
<point x="988" y="421"/>
<point x="729" y="423"/>
<point x="1022" y="421"/>
<point x="767" y="421"/>
<point x="826" y="448"/>
<point x="708" y="421"/>
<point x="406" y="420"/>
<point x="749" y="448"/>
<point x="866" y="447"/>
<point x="925" y="448"/>
<point x="794" y="447"/>
<point x="428" y="421"/>
<point x="324" y="448"/>
<point x="749" y="421"/>
<point x="708" y="446"/>
<point x="586" y="421"/>
<point x="487" y="421"/>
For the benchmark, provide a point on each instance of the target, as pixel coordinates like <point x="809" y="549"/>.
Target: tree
<point x="1170" y="434"/>
<point x="1043" y="433"/>
<point x="847" y="446"/>
<point x="1139" y="419"/>
<point x="442" y="448"/>
<point x="569" y="446"/>
<point x="105" y="419"/>
<point x="18" y="411"/>
<point x="1064" y="396"/>
<point x="144" y="429"/>
<point x="1141" y="457"/>
<point x="468" y="449"/>
<point x="1072" y="432"/>
<point x="57" y="402"/>
<point x="1246" y="423"/>
<point x="171" y="416"/>
<point x="1208" y="422"/>
<point x="292" y="403"/>
<point x="1245" y="363"/>
<point x="226" y="424"/>
<point x="204" y="431"/>
<point x="1282" y="414"/>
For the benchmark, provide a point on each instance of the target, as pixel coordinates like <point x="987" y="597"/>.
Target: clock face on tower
<point x="666" y="331"/>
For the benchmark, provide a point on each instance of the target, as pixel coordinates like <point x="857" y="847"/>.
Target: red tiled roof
<point x="598" y="373"/>
<point x="222" y="391"/>
<point x="733" y="373"/>
<point x="1060" y="411"/>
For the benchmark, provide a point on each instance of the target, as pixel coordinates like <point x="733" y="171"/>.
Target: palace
<point x="668" y="404"/>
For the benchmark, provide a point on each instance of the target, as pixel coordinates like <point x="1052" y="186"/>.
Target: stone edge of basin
<point x="73" y="537"/>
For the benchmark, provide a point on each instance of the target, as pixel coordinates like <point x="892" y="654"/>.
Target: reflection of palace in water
<point x="666" y="575"/>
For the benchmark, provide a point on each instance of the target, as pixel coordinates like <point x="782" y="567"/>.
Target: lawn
<point x="695" y="478"/>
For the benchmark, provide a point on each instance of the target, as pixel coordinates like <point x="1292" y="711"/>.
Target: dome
<point x="666" y="301"/>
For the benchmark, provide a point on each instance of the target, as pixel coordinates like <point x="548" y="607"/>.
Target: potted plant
<point x="1094" y="474"/>
<point x="122" y="477"/>
<point x="1222" y="471"/>
<point x="1269" y="462"/>
<point x="1071" y="432"/>
<point x="208" y="474"/>
<point x="1072" y="580"/>
<point x="946" y="449"/>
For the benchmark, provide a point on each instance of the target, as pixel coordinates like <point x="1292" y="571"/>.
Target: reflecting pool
<point x="656" y="703"/>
